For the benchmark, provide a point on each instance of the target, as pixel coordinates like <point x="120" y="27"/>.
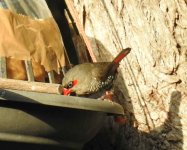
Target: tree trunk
<point x="152" y="82"/>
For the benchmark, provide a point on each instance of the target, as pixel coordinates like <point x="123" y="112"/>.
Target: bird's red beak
<point x="67" y="91"/>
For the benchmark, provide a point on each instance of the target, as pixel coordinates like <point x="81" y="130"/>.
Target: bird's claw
<point x="108" y="100"/>
<point x="108" y="96"/>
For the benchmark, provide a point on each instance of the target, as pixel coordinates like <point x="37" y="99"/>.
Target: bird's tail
<point x="112" y="68"/>
<point x="121" y="55"/>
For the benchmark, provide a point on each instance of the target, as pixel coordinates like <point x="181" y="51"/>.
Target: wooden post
<point x="30" y="86"/>
<point x="80" y="28"/>
<point x="51" y="77"/>
<point x="3" y="72"/>
<point x="30" y="74"/>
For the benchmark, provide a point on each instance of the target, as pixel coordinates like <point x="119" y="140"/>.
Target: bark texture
<point x="152" y="82"/>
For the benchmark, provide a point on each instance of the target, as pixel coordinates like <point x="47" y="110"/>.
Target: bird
<point x="93" y="78"/>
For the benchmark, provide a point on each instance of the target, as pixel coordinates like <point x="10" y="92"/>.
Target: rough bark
<point x="152" y="82"/>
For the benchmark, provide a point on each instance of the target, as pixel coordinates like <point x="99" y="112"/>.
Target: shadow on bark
<point x="127" y="137"/>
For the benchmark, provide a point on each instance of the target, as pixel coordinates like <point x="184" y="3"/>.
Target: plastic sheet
<point x="29" y="38"/>
<point x="33" y="8"/>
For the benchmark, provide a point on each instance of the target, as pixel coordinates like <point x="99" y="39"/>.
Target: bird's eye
<point x="70" y="85"/>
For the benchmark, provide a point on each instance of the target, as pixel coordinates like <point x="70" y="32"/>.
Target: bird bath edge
<point x="40" y="119"/>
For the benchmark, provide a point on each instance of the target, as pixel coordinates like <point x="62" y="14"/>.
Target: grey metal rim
<point x="62" y="101"/>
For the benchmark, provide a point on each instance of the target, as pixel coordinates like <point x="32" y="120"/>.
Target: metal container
<point x="31" y="120"/>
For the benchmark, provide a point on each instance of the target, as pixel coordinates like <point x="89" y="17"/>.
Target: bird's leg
<point x="108" y="96"/>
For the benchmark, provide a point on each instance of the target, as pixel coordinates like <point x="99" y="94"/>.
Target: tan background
<point x="24" y="38"/>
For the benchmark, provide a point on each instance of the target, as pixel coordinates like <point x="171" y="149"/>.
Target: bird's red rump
<point x="121" y="55"/>
<point x="119" y="58"/>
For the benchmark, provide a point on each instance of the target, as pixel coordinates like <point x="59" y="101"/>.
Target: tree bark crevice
<point x="152" y="80"/>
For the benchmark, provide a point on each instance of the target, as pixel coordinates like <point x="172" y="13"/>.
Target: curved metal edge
<point x="62" y="101"/>
<point x="37" y="140"/>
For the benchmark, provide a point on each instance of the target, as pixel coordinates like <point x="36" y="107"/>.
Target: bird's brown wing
<point x="100" y="70"/>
